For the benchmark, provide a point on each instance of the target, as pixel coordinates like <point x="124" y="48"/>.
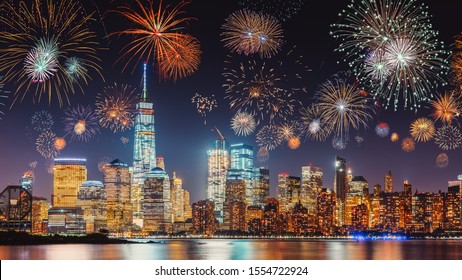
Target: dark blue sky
<point x="182" y="137"/>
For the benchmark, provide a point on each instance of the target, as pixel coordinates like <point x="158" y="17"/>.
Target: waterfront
<point x="243" y="249"/>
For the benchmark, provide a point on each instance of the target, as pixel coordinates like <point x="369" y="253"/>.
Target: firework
<point x="33" y="164"/>
<point x="45" y="145"/>
<point x="313" y="123"/>
<point x="394" y="137"/>
<point x="42" y="121"/>
<point x="124" y="140"/>
<point x="81" y="123"/>
<point x="408" y="144"/>
<point x="75" y="68"/>
<point x="50" y="166"/>
<point x="446" y="107"/>
<point x="115" y="107"/>
<point x="448" y="137"/>
<point x="382" y="129"/>
<point x="442" y="160"/>
<point x="294" y="143"/>
<point x="342" y="106"/>
<point x="247" y="32"/>
<point x="59" y="143"/>
<point x="39" y="37"/>
<point x="204" y="104"/>
<point x="289" y="130"/>
<point x="283" y="10"/>
<point x="359" y="140"/>
<point x="243" y="124"/>
<point x="155" y="36"/>
<point x="393" y="50"/>
<point x="339" y="143"/>
<point x="103" y="162"/>
<point x="456" y="62"/>
<point x="268" y="137"/>
<point x="422" y="130"/>
<point x="2" y="96"/>
<point x="183" y="59"/>
<point x="265" y="89"/>
<point x="262" y="154"/>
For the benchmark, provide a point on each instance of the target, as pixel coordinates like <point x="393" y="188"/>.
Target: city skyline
<point x="184" y="139"/>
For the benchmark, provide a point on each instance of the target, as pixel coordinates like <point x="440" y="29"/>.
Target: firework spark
<point x="283" y="10"/>
<point x="247" y="32"/>
<point x="115" y="107"/>
<point x="124" y="140"/>
<point x="382" y="129"/>
<point x="262" y="154"/>
<point x="448" y="137"/>
<point x="2" y="97"/>
<point x="155" y="36"/>
<point x="442" y="160"/>
<point x="342" y="106"/>
<point x="50" y="166"/>
<point x="294" y="143"/>
<point x="394" y="137"/>
<point x="75" y="68"/>
<point x="243" y="124"/>
<point x="103" y="162"/>
<point x="33" y="164"/>
<point x="45" y="145"/>
<point x="422" y="130"/>
<point x="39" y="37"/>
<point x="59" y="143"/>
<point x="408" y="144"/>
<point x="81" y="123"/>
<point x="313" y="123"/>
<point x="268" y="137"/>
<point x="289" y="130"/>
<point x="456" y="62"/>
<point x="393" y="50"/>
<point x="42" y="121"/>
<point x="204" y="104"/>
<point x="359" y="139"/>
<point x="339" y="143"/>
<point x="446" y="107"/>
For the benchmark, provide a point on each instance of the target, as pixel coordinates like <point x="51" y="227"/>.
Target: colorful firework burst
<point x="382" y="129"/>
<point x="247" y="32"/>
<point x="448" y="137"/>
<point x="283" y="10"/>
<point x="394" y="137"/>
<point x="42" y="121"/>
<point x="39" y="37"/>
<point x="157" y="37"/>
<point x="294" y="143"/>
<point x="339" y="143"/>
<point x="265" y="89"/>
<point x="75" y="68"/>
<point x="45" y="145"/>
<point x="102" y="163"/>
<point x="456" y="63"/>
<point x="204" y="104"/>
<point x="313" y="123"/>
<point x="408" y="144"/>
<point x="60" y="143"/>
<point x="446" y="107"/>
<point x="393" y="49"/>
<point x="359" y="139"/>
<point x="243" y="124"/>
<point x="289" y="130"/>
<point x="262" y="154"/>
<point x="442" y="160"/>
<point x="124" y="140"/>
<point x="342" y="106"/>
<point x="422" y="130"/>
<point x="115" y="107"/>
<point x="268" y="137"/>
<point x="33" y="164"/>
<point x="81" y="122"/>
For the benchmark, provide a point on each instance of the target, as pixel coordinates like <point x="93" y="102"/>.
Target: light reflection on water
<point x="231" y="249"/>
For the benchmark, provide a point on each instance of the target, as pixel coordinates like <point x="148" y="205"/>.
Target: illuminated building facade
<point x="261" y="185"/>
<point x="177" y="198"/>
<point x="160" y="162"/>
<point x="299" y="220"/>
<point x="218" y="165"/>
<point x="118" y="202"/>
<point x="388" y="182"/>
<point x="203" y="217"/>
<point x="92" y="199"/>
<point x="288" y="191"/>
<point x="235" y="204"/>
<point x="187" y="205"/>
<point x="27" y="181"/>
<point x="144" y="153"/>
<point x="68" y="176"/>
<point x="156" y="204"/>
<point x="311" y="186"/>
<point x="357" y="191"/>
<point x="254" y="217"/>
<point x="452" y="215"/>
<point x="270" y="217"/>
<point x="407" y="205"/>
<point x="242" y="167"/>
<point x="66" y="220"/>
<point x="325" y="216"/>
<point x="340" y="188"/>
<point x="40" y="207"/>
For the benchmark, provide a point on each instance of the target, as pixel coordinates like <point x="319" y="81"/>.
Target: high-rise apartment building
<point x="340" y="188"/>
<point x="187" y="205"/>
<point x="241" y="156"/>
<point x="203" y="217"/>
<point x="261" y="185"/>
<point x="288" y="191"/>
<point x="388" y="182"/>
<point x="40" y="207"/>
<point x="311" y="186"/>
<point x="177" y="198"/>
<point x="156" y="205"/>
<point x="234" y="206"/>
<point x="68" y="176"/>
<point x="92" y="199"/>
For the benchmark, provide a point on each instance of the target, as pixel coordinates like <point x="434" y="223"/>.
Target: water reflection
<point x="216" y="249"/>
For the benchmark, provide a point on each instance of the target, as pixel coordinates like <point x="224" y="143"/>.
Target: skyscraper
<point x="144" y="152"/>
<point x="27" y="181"/>
<point x="242" y="167"/>
<point x="203" y="217"/>
<point x="288" y="191"/>
<point x="261" y="185"/>
<point x="177" y="198"/>
<point x="68" y="176"/>
<point x="388" y="182"/>
<point x="118" y="203"/>
<point x="357" y="190"/>
<point x="187" y="205"/>
<point x="311" y="187"/>
<point x="340" y="187"/>
<point x="156" y="204"/>
<point x="218" y="165"/>
<point x="92" y="199"/>
<point x="234" y="206"/>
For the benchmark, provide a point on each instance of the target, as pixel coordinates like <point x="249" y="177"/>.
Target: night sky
<point x="183" y="139"/>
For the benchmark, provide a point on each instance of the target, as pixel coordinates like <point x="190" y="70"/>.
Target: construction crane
<point x="222" y="138"/>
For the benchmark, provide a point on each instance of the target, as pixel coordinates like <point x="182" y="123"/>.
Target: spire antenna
<point x="145" y="90"/>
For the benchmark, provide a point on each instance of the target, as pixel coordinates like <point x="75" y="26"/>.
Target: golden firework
<point x="446" y="107"/>
<point x="422" y="130"/>
<point x="456" y="62"/>
<point x="394" y="137"/>
<point x="294" y="143"/>
<point x="408" y="144"/>
<point x="183" y="59"/>
<point x="60" y="143"/>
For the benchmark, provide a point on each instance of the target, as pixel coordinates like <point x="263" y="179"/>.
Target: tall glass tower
<point x="242" y="167"/>
<point x="144" y="153"/>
